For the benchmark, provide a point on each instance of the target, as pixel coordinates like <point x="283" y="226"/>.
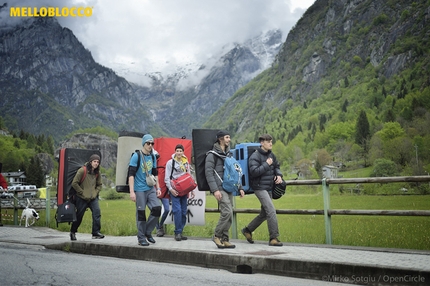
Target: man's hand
<point x="218" y="195"/>
<point x="269" y="161"/>
<point x="133" y="196"/>
<point x="278" y="179"/>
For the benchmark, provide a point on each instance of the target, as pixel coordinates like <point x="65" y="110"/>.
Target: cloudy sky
<point x="161" y="33"/>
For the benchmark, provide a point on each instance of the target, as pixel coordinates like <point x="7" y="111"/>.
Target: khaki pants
<point x="226" y="215"/>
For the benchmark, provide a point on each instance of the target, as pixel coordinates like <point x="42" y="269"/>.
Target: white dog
<point x="29" y="214"/>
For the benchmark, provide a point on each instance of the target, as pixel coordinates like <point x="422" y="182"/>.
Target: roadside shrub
<point x="111" y="194"/>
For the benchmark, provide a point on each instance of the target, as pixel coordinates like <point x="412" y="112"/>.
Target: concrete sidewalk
<point x="355" y="265"/>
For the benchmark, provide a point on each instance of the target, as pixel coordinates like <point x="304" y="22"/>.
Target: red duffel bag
<point x="184" y="184"/>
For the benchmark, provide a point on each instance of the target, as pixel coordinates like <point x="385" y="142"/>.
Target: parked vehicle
<point x="6" y="195"/>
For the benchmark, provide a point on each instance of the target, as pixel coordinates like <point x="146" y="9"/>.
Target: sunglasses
<point x="150" y="143"/>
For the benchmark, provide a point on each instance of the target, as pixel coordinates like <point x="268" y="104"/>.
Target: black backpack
<point x="66" y="212"/>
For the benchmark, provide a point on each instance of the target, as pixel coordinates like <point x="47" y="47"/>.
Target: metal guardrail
<point x="327" y="212"/>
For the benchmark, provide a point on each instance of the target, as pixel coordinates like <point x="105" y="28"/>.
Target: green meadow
<point x="118" y="218"/>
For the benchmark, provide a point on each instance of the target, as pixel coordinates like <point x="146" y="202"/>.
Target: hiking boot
<point x="160" y="231"/>
<point x="218" y="242"/>
<point x="178" y="237"/>
<point x="228" y="244"/>
<point x="275" y="242"/>
<point x="98" y="235"/>
<point x="247" y="234"/>
<point x="72" y="236"/>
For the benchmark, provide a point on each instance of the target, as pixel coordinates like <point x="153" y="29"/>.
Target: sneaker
<point x="218" y="242"/>
<point x="275" y="242"/>
<point x="247" y="234"/>
<point x="98" y="235"/>
<point x="228" y="244"/>
<point x="160" y="231"/>
<point x="143" y="243"/>
<point x="72" y="236"/>
<point x="150" y="238"/>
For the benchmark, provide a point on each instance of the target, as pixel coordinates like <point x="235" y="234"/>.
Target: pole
<point x="234" y="220"/>
<point x="327" y="217"/>
<point x="48" y="207"/>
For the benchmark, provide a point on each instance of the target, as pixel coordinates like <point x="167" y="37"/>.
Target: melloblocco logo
<point x="51" y="11"/>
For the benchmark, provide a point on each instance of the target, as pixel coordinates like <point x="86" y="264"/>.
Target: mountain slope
<point x="185" y="109"/>
<point x="340" y="58"/>
<point x="52" y="82"/>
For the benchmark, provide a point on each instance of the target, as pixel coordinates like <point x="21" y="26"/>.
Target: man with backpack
<point x="214" y="171"/>
<point x="142" y="166"/>
<point x="264" y="173"/>
<point x="88" y="183"/>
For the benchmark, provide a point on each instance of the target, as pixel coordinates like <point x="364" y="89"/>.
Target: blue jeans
<point x="166" y="206"/>
<point x="179" y="210"/>
<point x="81" y="207"/>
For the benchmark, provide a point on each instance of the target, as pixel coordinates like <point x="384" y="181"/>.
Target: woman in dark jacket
<point x="264" y="173"/>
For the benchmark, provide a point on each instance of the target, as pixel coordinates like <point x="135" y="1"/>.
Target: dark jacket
<point x="214" y="162"/>
<point x="261" y="175"/>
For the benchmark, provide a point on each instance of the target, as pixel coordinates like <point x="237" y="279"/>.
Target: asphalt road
<point x="34" y="265"/>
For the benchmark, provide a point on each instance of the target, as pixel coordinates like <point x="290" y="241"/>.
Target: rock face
<point x="185" y="109"/>
<point x="106" y="145"/>
<point x="52" y="81"/>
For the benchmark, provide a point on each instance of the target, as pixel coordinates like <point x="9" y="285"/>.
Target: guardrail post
<point x="327" y="217"/>
<point x="234" y="220"/>
<point x="15" y="210"/>
<point x="48" y="207"/>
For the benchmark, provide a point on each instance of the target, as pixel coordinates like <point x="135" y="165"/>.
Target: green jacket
<point x="90" y="187"/>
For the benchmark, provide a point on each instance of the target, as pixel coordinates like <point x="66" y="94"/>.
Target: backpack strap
<point x="173" y="167"/>
<point x="85" y="174"/>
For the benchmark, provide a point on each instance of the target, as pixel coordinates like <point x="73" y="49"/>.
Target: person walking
<point x="264" y="173"/>
<point x="176" y="167"/>
<point x="215" y="164"/>
<point x="165" y="201"/>
<point x="3" y="184"/>
<point x="144" y="195"/>
<point x="87" y="196"/>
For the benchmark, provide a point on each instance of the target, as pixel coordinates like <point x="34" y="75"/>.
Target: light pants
<point x="146" y="226"/>
<point x="267" y="212"/>
<point x="226" y="215"/>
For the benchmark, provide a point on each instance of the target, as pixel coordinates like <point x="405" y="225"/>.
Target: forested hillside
<point x="350" y="86"/>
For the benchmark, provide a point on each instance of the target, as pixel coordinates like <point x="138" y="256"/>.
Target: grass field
<point x="118" y="218"/>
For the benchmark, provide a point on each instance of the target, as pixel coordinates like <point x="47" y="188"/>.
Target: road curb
<point x="264" y="263"/>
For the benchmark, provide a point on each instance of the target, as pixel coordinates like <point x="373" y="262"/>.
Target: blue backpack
<point x="231" y="179"/>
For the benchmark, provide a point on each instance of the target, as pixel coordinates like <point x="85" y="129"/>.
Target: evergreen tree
<point x="345" y="105"/>
<point x="362" y="135"/>
<point x="34" y="173"/>
<point x="362" y="130"/>
<point x="389" y="116"/>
